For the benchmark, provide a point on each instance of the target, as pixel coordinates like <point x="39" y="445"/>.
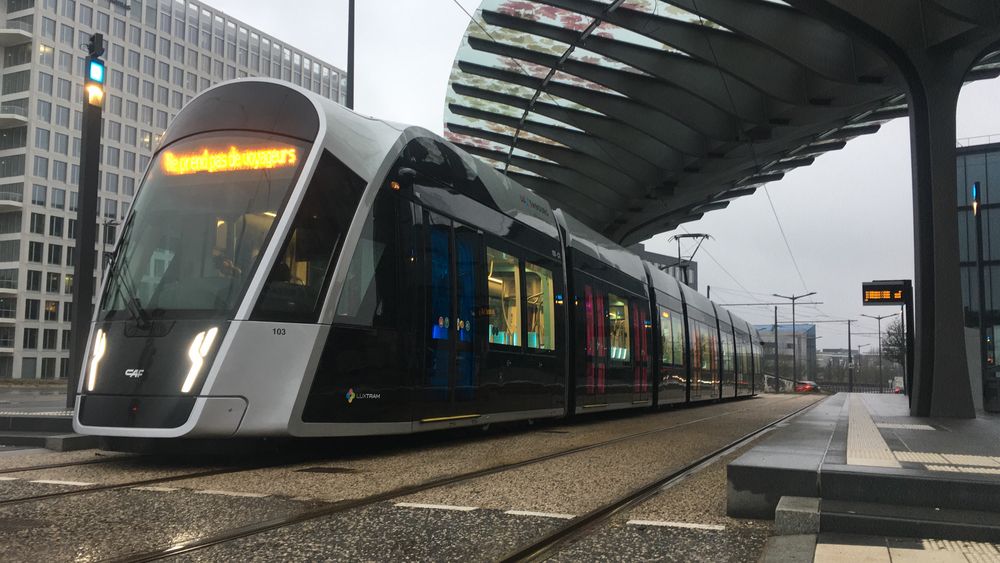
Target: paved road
<point x="474" y="520"/>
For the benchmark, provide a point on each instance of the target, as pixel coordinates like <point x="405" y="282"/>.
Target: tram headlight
<point x="100" y="347"/>
<point x="199" y="349"/>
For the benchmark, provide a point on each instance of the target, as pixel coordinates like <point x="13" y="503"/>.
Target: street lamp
<point x="879" y="319"/>
<point x="793" y="298"/>
<point x="860" y="363"/>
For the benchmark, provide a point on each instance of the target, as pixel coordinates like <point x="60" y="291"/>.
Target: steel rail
<point x="66" y="464"/>
<point x="255" y="528"/>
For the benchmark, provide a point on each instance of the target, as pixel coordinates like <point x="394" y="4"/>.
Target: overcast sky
<point x="848" y="217"/>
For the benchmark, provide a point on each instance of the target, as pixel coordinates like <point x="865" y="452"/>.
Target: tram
<point x="291" y="268"/>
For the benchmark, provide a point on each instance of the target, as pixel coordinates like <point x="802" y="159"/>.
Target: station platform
<point x="35" y="416"/>
<point x="859" y="464"/>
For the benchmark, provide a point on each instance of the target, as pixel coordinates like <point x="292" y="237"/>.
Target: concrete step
<point x="56" y="441"/>
<point x="36" y="423"/>
<point x="904" y="487"/>
<point x="909" y="521"/>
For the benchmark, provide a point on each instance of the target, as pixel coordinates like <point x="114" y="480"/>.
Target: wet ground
<point x="476" y="520"/>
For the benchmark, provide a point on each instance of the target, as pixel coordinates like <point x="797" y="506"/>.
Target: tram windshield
<point x="200" y="222"/>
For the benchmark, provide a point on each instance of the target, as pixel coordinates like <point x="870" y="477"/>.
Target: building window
<point x="12" y="165"/>
<point x="31" y="309"/>
<point x="58" y="198"/>
<point x="52" y="310"/>
<point x="10" y="223"/>
<point x="30" y="340"/>
<point x="8" y="307"/>
<point x="34" y="280"/>
<point x="44" y="110"/>
<point x="35" y="250"/>
<point x="41" y="138"/>
<point x="55" y="226"/>
<point x="41" y="168"/>
<point x="55" y="254"/>
<point x="10" y="250"/>
<point x="37" y="224"/>
<point x="52" y="282"/>
<point x="8" y="278"/>
<point x="66" y="342"/>
<point x="38" y="194"/>
<point x="16" y="81"/>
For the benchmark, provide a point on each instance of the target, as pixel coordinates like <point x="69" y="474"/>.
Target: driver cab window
<point x="297" y="282"/>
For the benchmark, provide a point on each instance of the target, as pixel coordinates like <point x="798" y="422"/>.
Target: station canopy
<point x="636" y="116"/>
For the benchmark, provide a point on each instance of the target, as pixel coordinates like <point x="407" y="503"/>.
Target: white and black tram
<point x="290" y="268"/>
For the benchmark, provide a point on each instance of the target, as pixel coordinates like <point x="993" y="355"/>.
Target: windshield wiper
<point x="132" y="302"/>
<point x="124" y="282"/>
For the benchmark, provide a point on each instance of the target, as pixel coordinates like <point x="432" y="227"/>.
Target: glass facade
<point x="159" y="55"/>
<point x="980" y="164"/>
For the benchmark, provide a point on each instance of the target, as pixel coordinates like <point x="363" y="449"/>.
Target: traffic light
<point x="95" y="72"/>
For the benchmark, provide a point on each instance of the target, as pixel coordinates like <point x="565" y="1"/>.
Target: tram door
<point x="450" y="376"/>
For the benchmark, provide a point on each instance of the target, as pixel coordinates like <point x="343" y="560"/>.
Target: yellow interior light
<point x="232" y="160"/>
<point x="395" y="186"/>
<point x="95" y="94"/>
<point x="270" y="214"/>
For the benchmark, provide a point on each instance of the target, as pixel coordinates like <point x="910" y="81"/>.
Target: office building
<point x="159" y="55"/>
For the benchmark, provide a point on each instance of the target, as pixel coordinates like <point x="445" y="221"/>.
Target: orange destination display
<point x="889" y="292"/>
<point x="232" y="159"/>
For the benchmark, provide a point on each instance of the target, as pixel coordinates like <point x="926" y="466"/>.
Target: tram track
<point x="45" y="466"/>
<point x="339" y="507"/>
<point x="576" y="529"/>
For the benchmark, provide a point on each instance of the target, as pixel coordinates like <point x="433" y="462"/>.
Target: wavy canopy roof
<point x="638" y="115"/>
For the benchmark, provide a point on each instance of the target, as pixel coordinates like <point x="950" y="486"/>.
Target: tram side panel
<point x="612" y="330"/>
<point x="704" y="346"/>
<point x="727" y="350"/>
<point x="668" y="335"/>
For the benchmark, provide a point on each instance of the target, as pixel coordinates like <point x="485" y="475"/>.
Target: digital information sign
<point x="893" y="292"/>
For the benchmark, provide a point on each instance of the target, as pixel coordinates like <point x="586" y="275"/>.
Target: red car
<point x="806" y="387"/>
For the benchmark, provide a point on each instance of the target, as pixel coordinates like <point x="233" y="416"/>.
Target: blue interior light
<point x="95" y="72"/>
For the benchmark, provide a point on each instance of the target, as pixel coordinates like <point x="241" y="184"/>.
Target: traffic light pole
<point x="83" y="267"/>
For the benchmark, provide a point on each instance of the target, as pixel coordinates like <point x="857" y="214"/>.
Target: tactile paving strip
<point x="865" y="445"/>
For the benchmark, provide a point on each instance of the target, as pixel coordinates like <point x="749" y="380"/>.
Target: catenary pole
<point x="349" y="102"/>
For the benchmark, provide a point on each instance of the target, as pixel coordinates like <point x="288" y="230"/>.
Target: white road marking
<point x="540" y="514"/>
<point x="8" y="478"/>
<point x="690" y="525"/>
<point x="891" y="426"/>
<point x="436" y="506"/>
<point x="70" y="483"/>
<point x="156" y="489"/>
<point x="232" y="494"/>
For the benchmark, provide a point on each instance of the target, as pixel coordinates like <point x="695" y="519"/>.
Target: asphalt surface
<point x="470" y="521"/>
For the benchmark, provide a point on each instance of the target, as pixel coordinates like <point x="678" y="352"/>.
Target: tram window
<point x="707" y="342"/>
<point x="295" y="286"/>
<point x="504" y="280"/>
<point x="666" y="336"/>
<point x="541" y="308"/>
<point x="195" y="234"/>
<point x="678" y="334"/>
<point x="370" y="285"/>
<point x="618" y="317"/>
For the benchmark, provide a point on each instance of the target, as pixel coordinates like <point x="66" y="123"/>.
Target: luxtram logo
<point x="351" y="396"/>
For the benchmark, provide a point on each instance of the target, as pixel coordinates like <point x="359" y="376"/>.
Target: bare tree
<point x="894" y="342"/>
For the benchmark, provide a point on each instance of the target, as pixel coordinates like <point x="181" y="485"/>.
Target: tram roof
<point x="636" y="116"/>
